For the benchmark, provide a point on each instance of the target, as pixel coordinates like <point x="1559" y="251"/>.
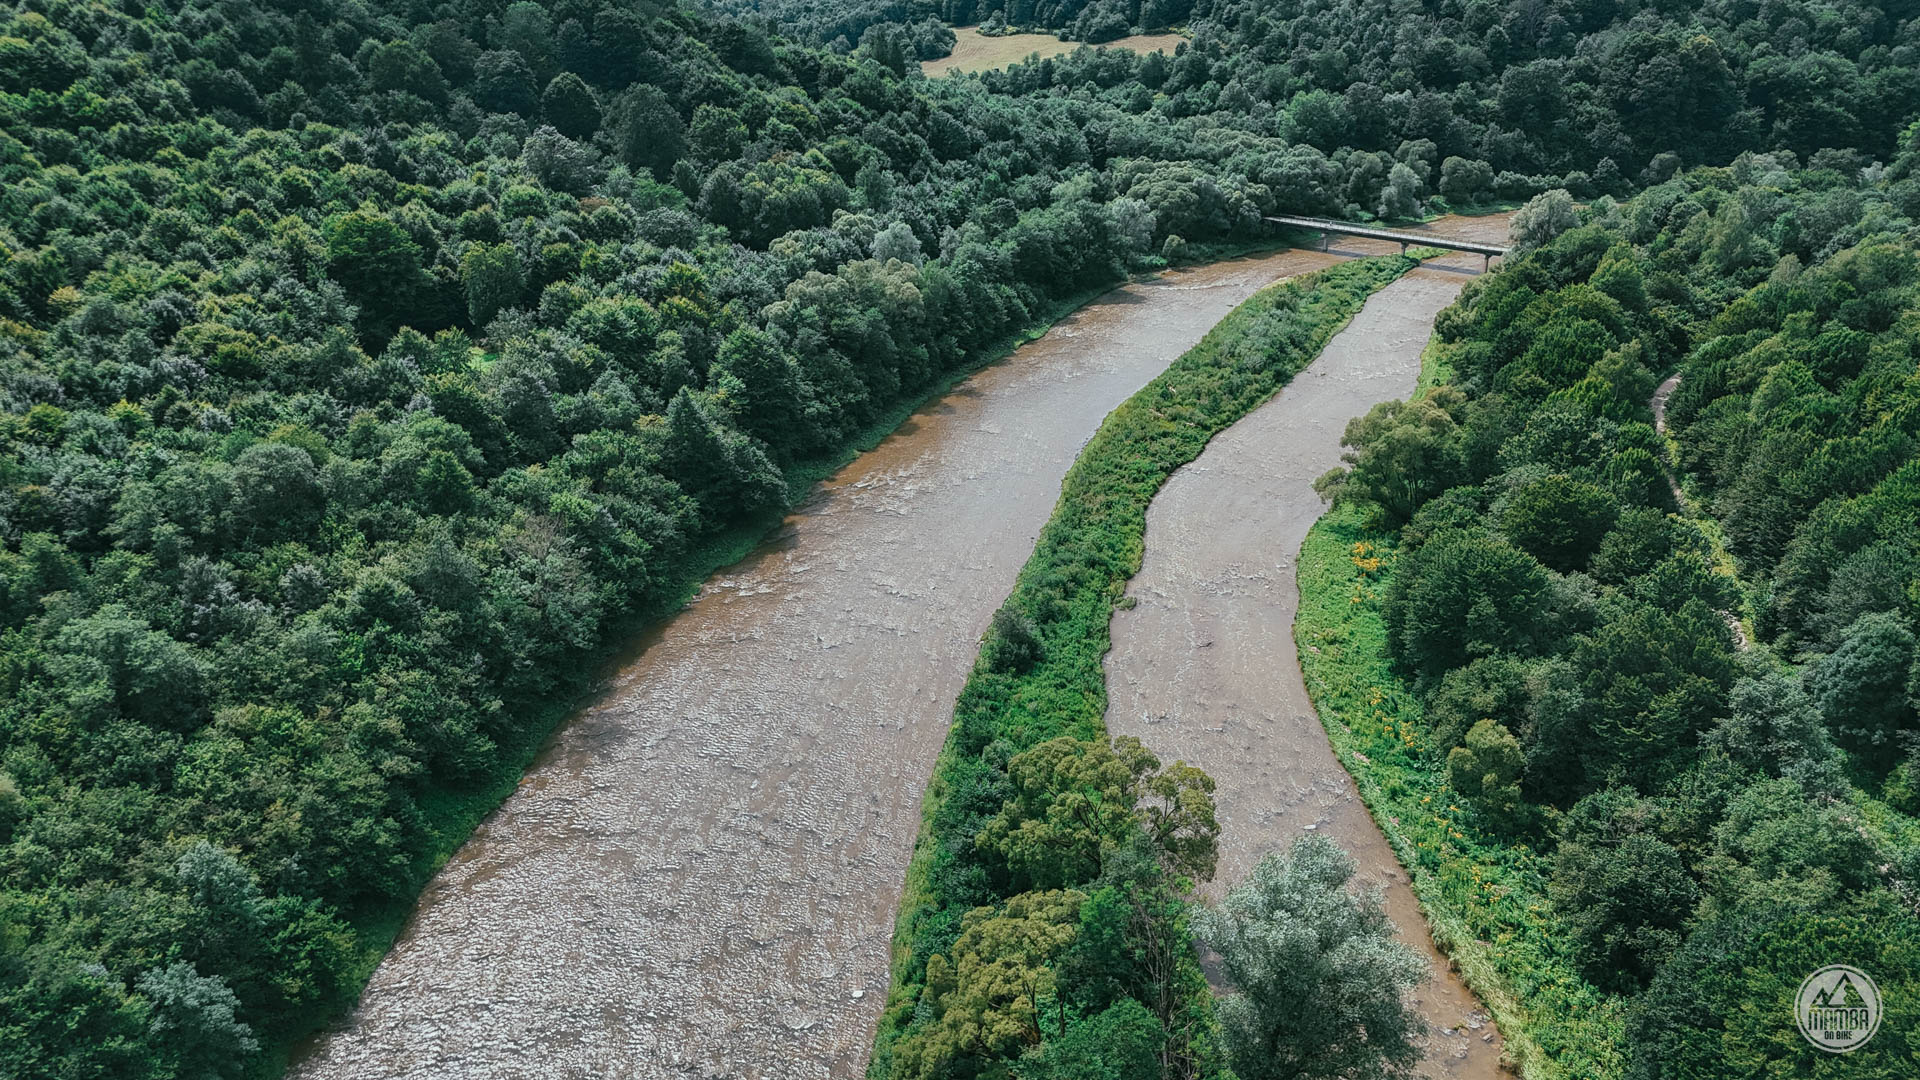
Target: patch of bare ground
<point x="974" y="51"/>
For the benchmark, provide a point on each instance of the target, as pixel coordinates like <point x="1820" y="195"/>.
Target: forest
<point x="367" y="368"/>
<point x="1604" y="89"/>
<point x="360" y="375"/>
<point x="1669" y="673"/>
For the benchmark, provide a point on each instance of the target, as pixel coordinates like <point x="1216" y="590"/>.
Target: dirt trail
<point x="699" y="875"/>
<point x="1204" y="667"/>
<point x="1658" y="403"/>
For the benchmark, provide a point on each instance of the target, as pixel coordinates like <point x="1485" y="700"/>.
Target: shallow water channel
<point x="698" y="876"/>
<point x="1203" y="667"/>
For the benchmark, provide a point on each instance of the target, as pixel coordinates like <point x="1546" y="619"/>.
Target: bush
<point x="1319" y="982"/>
<point x="1625" y="892"/>
<point x="1559" y="520"/>
<point x="1861" y="687"/>
<point x="1486" y="770"/>
<point x="1545" y="216"/>
<point x="1012" y="643"/>
<point x="1466" y="594"/>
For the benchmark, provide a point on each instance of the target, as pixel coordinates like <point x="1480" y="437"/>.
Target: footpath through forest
<point x="1204" y="668"/>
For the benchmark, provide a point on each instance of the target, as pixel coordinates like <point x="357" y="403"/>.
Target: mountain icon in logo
<point x="1841" y="995"/>
<point x="1838" y="1008"/>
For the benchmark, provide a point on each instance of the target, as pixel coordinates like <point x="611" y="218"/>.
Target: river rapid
<point x="1204" y="667"/>
<point x="698" y="876"/>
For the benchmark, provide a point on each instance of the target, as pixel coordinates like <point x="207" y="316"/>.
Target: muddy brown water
<point x="698" y="876"/>
<point x="1203" y="668"/>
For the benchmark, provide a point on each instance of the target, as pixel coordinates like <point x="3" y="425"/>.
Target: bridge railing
<point x="1328" y="226"/>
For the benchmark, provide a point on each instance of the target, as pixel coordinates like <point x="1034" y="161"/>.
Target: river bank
<point x="1487" y="910"/>
<point x="1487" y="905"/>
<point x="700" y="870"/>
<point x="1203" y="667"/>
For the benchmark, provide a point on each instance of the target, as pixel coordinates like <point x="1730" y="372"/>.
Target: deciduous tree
<point x="1318" y="979"/>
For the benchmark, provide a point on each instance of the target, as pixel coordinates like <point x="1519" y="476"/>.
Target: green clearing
<point x="975" y="52"/>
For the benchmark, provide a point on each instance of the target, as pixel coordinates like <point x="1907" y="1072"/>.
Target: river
<point x="1203" y="667"/>
<point x="698" y="876"/>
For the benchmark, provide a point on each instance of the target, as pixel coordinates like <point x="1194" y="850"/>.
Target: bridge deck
<point x="1348" y="228"/>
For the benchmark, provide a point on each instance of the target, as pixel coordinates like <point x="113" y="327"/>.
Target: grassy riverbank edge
<point x="1484" y="897"/>
<point x="1483" y="893"/>
<point x="1092" y="545"/>
<point x="1497" y="931"/>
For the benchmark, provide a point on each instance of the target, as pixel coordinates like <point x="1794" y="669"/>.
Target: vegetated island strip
<point x="1486" y="903"/>
<point x="1068" y="589"/>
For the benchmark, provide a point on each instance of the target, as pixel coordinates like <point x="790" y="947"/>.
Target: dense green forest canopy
<point x="362" y="365"/>
<point x="1572" y="620"/>
<point x="359" y="367"/>
<point x="1593" y="97"/>
<point x="1482" y="102"/>
<point x="1602" y="88"/>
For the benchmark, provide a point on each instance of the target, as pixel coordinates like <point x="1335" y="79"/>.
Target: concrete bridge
<point x="1328" y="226"/>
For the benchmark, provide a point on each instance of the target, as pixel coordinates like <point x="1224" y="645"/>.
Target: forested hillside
<point x="364" y="365"/>
<point x="1515" y="88"/>
<point x="1371" y="109"/>
<point x="1527" y="96"/>
<point x="358" y="372"/>
<point x="1674" y="726"/>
